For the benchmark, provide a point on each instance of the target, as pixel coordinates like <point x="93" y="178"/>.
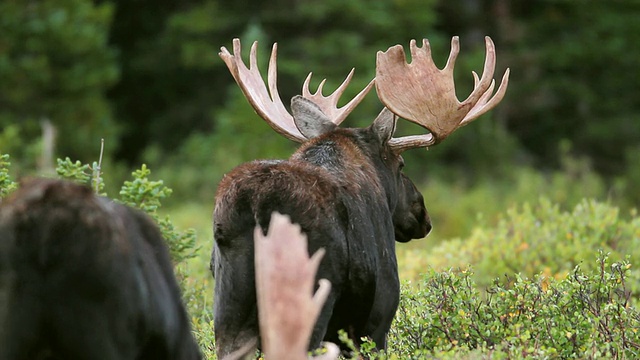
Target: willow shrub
<point x="588" y="314"/>
<point x="537" y="239"/>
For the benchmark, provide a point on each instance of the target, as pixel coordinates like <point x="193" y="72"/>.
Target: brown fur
<point x="342" y="188"/>
<point x="82" y="277"/>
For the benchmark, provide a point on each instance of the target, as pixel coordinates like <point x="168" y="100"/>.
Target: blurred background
<point x="145" y="76"/>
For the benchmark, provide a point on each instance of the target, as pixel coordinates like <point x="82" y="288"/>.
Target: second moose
<point x="344" y="186"/>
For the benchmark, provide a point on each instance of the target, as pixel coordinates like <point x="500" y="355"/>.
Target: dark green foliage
<point x="541" y="238"/>
<point x="584" y="80"/>
<point x="586" y="315"/>
<point x="55" y="64"/>
<point x="6" y="184"/>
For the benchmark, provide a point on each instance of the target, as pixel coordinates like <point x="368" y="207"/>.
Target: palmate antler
<point x="266" y="100"/>
<point x="423" y="94"/>
<point x="416" y="91"/>
<point x="285" y="277"/>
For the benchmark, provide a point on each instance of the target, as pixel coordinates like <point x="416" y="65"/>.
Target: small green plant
<point x="6" y="183"/>
<point x="146" y="195"/>
<point x="81" y="173"/>
<point x="76" y="171"/>
<point x="366" y="350"/>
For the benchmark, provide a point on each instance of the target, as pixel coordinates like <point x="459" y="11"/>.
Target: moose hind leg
<point x="232" y="335"/>
<point x="322" y="324"/>
<point x="235" y="319"/>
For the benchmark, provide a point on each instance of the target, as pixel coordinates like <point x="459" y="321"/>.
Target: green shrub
<point x="537" y="239"/>
<point x="6" y="183"/>
<point x="585" y="315"/>
<point x="81" y="173"/>
<point x="457" y="207"/>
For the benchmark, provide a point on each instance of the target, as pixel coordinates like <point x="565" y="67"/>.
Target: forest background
<point x="536" y="186"/>
<point x="145" y="76"/>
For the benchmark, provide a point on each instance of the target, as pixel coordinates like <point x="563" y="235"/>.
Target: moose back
<point x="82" y="277"/>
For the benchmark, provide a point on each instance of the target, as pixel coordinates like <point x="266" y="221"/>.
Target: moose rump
<point x="82" y="277"/>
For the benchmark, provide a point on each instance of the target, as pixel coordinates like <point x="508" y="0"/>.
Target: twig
<point x="99" y="167"/>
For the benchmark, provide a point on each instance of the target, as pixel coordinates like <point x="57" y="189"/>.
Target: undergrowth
<point x="542" y="282"/>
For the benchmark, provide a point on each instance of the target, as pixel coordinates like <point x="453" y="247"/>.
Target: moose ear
<point x="309" y="118"/>
<point x="384" y="125"/>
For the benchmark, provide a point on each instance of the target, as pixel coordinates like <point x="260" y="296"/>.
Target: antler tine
<point x="480" y="87"/>
<point x="422" y="93"/>
<point x="265" y="101"/>
<point x="485" y="104"/>
<point x="329" y="104"/>
<point x="453" y="55"/>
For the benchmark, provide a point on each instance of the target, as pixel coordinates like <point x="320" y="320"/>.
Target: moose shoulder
<point x="343" y="186"/>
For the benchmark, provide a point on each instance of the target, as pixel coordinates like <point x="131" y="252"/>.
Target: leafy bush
<point x="537" y="239"/>
<point x="6" y="184"/>
<point x="457" y="207"/>
<point x="585" y="315"/>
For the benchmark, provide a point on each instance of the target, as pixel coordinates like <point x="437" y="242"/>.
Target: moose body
<point x="82" y="277"/>
<point x="343" y="189"/>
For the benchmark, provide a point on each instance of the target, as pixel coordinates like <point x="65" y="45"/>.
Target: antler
<point x="285" y="275"/>
<point x="266" y="100"/>
<point x="425" y="95"/>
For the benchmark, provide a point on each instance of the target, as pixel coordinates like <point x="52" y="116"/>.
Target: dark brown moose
<point x="82" y="277"/>
<point x="343" y="186"/>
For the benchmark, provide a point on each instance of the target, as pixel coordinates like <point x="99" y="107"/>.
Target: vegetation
<point x="543" y="282"/>
<point x="537" y="238"/>
<point x="6" y="183"/>
<point x="587" y="314"/>
<point x="540" y="194"/>
<point x="145" y="76"/>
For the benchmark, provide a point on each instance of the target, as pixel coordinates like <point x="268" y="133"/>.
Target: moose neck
<point x="339" y="154"/>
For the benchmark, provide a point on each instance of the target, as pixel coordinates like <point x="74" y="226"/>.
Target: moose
<point x="82" y="277"/>
<point x="343" y="186"/>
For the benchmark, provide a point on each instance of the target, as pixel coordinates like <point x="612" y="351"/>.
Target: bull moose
<point x="343" y="186"/>
<point x="82" y="277"/>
